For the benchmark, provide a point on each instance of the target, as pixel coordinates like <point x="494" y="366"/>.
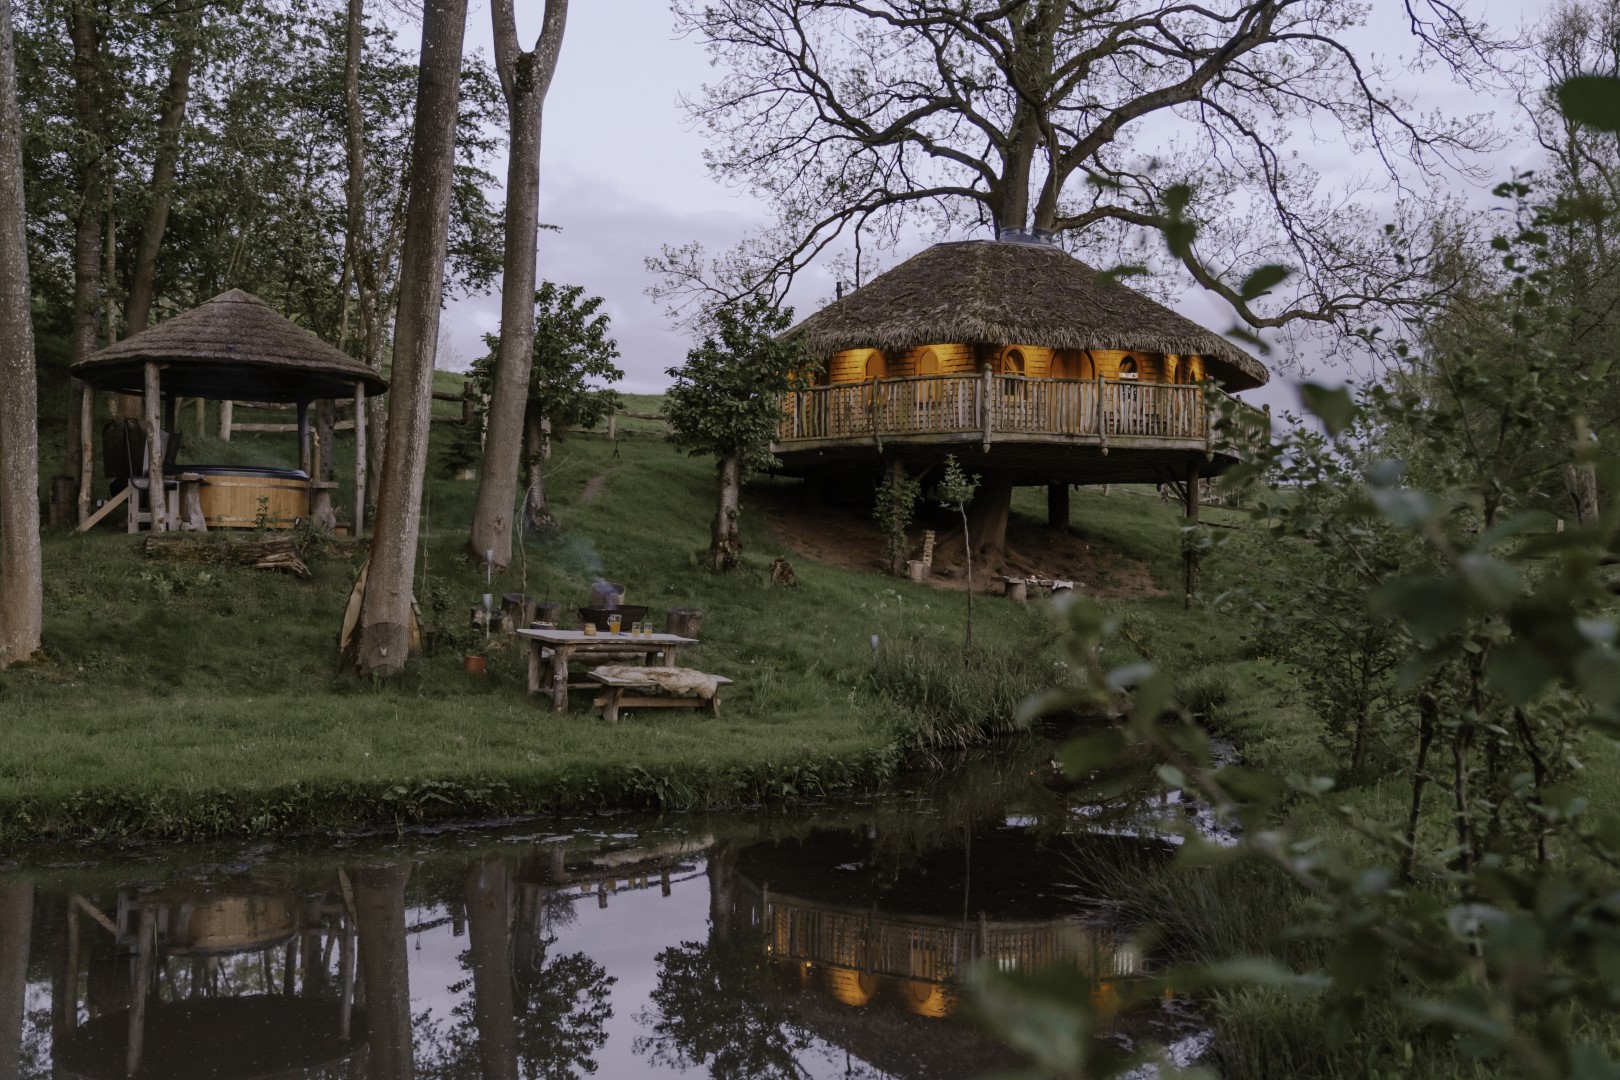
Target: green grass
<point x="185" y="701"/>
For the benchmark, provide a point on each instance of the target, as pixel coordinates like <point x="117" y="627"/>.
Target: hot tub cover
<point x="235" y="347"/>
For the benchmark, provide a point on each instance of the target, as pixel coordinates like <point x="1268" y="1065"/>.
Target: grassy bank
<point x="184" y="701"/>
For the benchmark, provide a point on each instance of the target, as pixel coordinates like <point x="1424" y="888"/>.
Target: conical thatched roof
<point x="1005" y="293"/>
<point x="233" y="346"/>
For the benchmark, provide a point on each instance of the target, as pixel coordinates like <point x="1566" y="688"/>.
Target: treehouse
<point x="1027" y="364"/>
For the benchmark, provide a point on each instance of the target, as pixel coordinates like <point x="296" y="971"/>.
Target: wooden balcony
<point x="1060" y="427"/>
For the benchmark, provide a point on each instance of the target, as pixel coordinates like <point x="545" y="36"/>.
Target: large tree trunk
<point x="143" y="276"/>
<point x="525" y="78"/>
<point x="725" y="544"/>
<point x="16" y="924"/>
<point x="988" y="514"/>
<point x="20" y="569"/>
<point x="536" y="514"/>
<point x="489" y="938"/>
<point x="87" y="284"/>
<point x="379" y="915"/>
<point x="382" y="640"/>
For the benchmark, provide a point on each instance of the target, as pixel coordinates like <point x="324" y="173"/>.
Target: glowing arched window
<point x="1188" y="373"/>
<point x="876" y="366"/>
<point x="1012" y="362"/>
<point x="928" y="362"/>
<point x="1127" y="368"/>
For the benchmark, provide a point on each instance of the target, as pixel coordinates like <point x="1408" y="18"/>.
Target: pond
<point x="815" y="941"/>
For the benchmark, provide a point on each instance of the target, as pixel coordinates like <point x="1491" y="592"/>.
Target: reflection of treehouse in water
<point x="861" y="954"/>
<point x="217" y="985"/>
<point x="869" y="935"/>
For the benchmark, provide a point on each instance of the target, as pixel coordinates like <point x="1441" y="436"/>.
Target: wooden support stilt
<point x="304" y="454"/>
<point x="1057" y="506"/>
<point x="156" y="501"/>
<point x="1189" y="551"/>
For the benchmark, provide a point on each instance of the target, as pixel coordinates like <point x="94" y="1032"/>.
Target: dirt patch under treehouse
<point x="847" y="537"/>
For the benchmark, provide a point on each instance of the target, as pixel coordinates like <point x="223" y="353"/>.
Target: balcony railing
<point x="990" y="405"/>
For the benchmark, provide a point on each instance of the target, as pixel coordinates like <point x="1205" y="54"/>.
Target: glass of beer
<point x="614" y="622"/>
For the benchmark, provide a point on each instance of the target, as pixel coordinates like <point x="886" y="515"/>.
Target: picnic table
<point x="549" y="673"/>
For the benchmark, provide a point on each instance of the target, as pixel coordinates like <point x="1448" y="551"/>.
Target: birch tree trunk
<point x="382" y="638"/>
<point x="143" y="276"/>
<point x="357" y="240"/>
<point x="525" y="78"/>
<point x="725" y="547"/>
<point x="87" y="283"/>
<point x="20" y="569"/>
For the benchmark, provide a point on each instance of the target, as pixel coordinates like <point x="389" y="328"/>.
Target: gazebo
<point x="1027" y="364"/>
<point x="234" y="347"/>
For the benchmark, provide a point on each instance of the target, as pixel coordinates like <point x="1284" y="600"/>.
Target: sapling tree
<point x="570" y="386"/>
<point x="894" y="501"/>
<point x="726" y="400"/>
<point x="956" y="490"/>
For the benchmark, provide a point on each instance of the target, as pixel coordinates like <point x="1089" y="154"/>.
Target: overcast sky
<point x="622" y="173"/>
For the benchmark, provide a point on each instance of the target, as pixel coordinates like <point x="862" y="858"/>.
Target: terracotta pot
<point x="473" y="664"/>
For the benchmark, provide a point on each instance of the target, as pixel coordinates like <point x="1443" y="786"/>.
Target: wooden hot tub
<point x="232" y="494"/>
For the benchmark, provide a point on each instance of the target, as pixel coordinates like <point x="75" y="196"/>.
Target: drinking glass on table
<point x="614" y="622"/>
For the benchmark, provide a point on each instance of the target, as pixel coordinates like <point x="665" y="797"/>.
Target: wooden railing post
<point x="1102" y="426"/>
<point x="987" y="395"/>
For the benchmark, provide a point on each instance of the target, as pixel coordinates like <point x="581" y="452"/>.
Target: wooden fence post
<point x="226" y="409"/>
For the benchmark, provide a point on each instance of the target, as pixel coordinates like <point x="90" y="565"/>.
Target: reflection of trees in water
<point x="713" y="1006"/>
<point x="561" y="1018"/>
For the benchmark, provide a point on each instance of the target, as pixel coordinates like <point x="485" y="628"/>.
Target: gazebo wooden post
<point x="359" y="457"/>
<point x="156" y="499"/>
<point x="226" y="408"/>
<point x="304" y="462"/>
<point x="87" y="451"/>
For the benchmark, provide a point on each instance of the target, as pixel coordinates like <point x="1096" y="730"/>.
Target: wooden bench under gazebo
<point x="234" y="347"/>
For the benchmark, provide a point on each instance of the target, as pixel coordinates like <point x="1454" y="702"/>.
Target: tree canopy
<point x="862" y="122"/>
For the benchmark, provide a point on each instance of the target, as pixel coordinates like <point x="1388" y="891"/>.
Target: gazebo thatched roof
<point x="234" y="346"/>
<point x="1007" y="293"/>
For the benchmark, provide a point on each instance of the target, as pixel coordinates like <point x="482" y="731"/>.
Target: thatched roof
<point x="233" y="346"/>
<point x="1006" y="293"/>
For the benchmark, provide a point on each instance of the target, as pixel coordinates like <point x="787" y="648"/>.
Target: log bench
<point x="629" y="692"/>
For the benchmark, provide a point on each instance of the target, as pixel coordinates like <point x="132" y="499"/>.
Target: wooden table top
<point x="602" y="637"/>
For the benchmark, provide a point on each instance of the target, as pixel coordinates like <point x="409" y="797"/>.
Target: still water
<point x="815" y="942"/>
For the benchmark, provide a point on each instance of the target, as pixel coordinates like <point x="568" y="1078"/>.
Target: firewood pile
<point x="275" y="553"/>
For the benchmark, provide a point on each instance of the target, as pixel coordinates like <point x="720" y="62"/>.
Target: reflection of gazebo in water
<point x="864" y="944"/>
<point x="232" y="348"/>
<point x="227" y="986"/>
